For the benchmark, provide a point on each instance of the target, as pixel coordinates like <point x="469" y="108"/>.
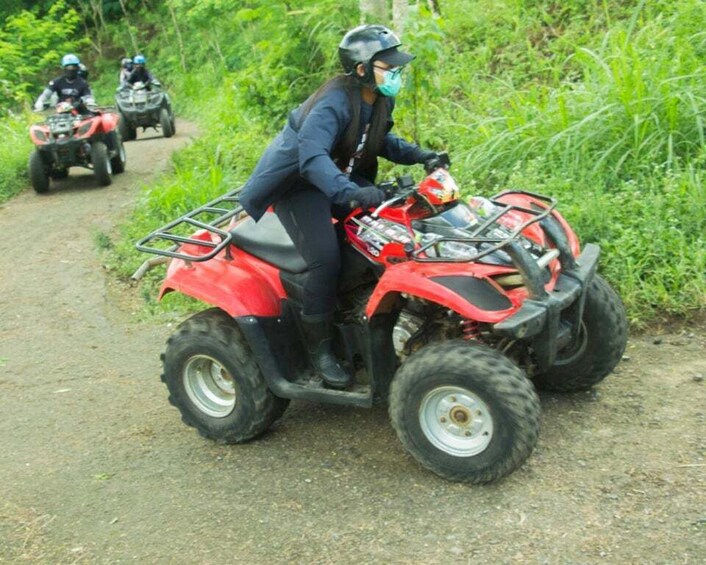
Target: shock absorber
<point x="470" y="329"/>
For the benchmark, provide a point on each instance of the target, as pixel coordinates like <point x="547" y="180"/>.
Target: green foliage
<point x="14" y="154"/>
<point x="30" y="45"/>
<point x="425" y="36"/>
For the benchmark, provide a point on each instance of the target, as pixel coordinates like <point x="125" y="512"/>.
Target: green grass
<point x="15" y="147"/>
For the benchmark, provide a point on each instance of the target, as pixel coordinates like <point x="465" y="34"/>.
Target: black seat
<point x="268" y="240"/>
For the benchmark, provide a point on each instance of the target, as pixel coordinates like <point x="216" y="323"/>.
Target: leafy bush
<point x="14" y="154"/>
<point x="31" y="46"/>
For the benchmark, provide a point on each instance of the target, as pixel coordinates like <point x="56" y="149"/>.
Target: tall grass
<point x="15" y="148"/>
<point x="615" y="129"/>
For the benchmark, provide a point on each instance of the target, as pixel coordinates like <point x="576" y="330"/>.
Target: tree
<point x="374" y="10"/>
<point x="29" y="45"/>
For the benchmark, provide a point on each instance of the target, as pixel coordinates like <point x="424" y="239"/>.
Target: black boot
<point x="318" y="331"/>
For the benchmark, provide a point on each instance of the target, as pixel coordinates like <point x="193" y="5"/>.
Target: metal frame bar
<point x="476" y="235"/>
<point x="146" y="244"/>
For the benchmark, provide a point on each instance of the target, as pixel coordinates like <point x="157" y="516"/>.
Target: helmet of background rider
<point x="70" y="64"/>
<point x="366" y="44"/>
<point x="83" y="71"/>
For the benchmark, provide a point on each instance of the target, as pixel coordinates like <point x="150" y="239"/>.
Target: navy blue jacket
<point x="140" y="75"/>
<point x="302" y="155"/>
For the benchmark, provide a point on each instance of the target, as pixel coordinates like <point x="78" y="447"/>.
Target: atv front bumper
<point x="65" y="153"/>
<point x="141" y="116"/>
<point x="550" y="321"/>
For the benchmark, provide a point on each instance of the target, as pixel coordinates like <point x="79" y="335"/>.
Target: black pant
<point x="306" y="215"/>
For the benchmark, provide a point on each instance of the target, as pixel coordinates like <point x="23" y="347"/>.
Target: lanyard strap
<point x="358" y="152"/>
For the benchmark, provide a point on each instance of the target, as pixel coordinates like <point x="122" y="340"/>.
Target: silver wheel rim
<point x="209" y="386"/>
<point x="456" y="421"/>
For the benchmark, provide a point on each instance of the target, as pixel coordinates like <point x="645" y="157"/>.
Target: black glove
<point x="433" y="160"/>
<point x="366" y="197"/>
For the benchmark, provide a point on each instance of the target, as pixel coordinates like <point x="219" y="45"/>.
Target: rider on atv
<point x="140" y="73"/>
<point x="324" y="161"/>
<point x="68" y="87"/>
<point x="126" y="68"/>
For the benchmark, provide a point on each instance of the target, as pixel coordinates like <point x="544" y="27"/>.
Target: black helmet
<point x="83" y="71"/>
<point x="367" y="43"/>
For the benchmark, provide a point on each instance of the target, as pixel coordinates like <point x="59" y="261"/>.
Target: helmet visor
<point x="394" y="57"/>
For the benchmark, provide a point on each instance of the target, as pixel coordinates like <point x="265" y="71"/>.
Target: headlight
<point x="448" y="249"/>
<point x="84" y="128"/>
<point x="40" y="134"/>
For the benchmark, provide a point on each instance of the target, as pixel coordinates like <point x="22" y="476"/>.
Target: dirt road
<point x="96" y="467"/>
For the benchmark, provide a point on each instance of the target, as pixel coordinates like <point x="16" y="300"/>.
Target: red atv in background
<point x="75" y="136"/>
<point x="451" y="312"/>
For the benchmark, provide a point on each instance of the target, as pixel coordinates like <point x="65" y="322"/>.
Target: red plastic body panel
<point x="100" y="123"/>
<point x="413" y="278"/>
<point x="535" y="231"/>
<point x="95" y="126"/>
<point x="109" y="121"/>
<point x="242" y="285"/>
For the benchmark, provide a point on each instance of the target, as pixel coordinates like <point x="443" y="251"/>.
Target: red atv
<point x="75" y="136"/>
<point x="451" y="312"/>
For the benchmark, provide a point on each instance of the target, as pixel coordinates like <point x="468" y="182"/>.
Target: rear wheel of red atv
<point x="465" y="411"/>
<point x="102" y="167"/>
<point x="215" y="382"/>
<point x="600" y="346"/>
<point x="166" y="122"/>
<point x="38" y="173"/>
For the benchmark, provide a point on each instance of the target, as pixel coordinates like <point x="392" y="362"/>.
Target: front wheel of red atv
<point x="102" y="167"/>
<point x="599" y="347"/>
<point x="38" y="175"/>
<point x="215" y="382"/>
<point x="465" y="411"/>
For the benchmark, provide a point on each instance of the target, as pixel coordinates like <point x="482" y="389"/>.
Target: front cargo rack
<point x="179" y="233"/>
<point x="491" y="244"/>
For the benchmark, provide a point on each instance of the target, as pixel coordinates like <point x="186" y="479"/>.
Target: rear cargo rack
<point x="478" y="236"/>
<point x="208" y="219"/>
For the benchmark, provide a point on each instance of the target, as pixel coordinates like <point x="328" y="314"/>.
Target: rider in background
<point x="68" y="87"/>
<point x="125" y="69"/>
<point x="140" y="73"/>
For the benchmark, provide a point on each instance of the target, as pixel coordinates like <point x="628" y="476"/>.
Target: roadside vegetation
<point x="600" y="104"/>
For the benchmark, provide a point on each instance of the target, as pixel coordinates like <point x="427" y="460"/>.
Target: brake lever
<point x="389" y="202"/>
